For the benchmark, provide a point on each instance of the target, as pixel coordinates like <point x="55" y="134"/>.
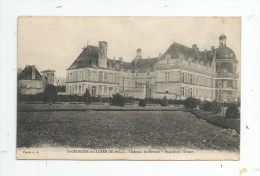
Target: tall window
<point x="166" y="77"/>
<point x="110" y="77"/>
<point x="80" y="90"/>
<point x="191" y="92"/>
<point x="116" y="78"/>
<point x="80" y="76"/>
<point x="219" y="84"/>
<point x="182" y="91"/>
<point x="225" y="84"/>
<point x="191" y="79"/>
<point x="105" y="76"/>
<point x="182" y="77"/>
<point x="93" y="90"/>
<point x="147" y="83"/>
<point x="136" y="84"/>
<point x="110" y="90"/>
<point x="88" y="75"/>
<point x="100" y="89"/>
<point x="185" y="91"/>
<point x="76" y="89"/>
<point x="100" y="76"/>
<point x="105" y="90"/>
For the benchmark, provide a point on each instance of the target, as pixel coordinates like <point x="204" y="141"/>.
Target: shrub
<point x="191" y="103"/>
<point x="50" y="94"/>
<point x="232" y="112"/>
<point x="205" y="106"/>
<point x="87" y="97"/>
<point x="142" y="103"/>
<point x="164" y="102"/>
<point x="129" y="99"/>
<point x="117" y="100"/>
<point x="216" y="107"/>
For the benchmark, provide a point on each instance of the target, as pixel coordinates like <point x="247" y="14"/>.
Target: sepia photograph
<point x="128" y="88"/>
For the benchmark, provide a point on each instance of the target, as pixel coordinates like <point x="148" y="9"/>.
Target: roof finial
<point x="172" y="40"/>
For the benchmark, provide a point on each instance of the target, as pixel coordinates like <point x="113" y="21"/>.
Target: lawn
<point x="113" y="129"/>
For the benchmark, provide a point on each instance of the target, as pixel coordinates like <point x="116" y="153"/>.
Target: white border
<point x="249" y="10"/>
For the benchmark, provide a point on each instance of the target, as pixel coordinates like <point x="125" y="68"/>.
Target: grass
<point x="111" y="129"/>
<point x="218" y="120"/>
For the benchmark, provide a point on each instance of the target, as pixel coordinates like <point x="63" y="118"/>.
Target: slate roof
<point x="177" y="50"/>
<point x="87" y="58"/>
<point x="144" y="65"/>
<point x="26" y="74"/>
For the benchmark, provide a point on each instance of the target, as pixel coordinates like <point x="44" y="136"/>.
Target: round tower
<point x="226" y="72"/>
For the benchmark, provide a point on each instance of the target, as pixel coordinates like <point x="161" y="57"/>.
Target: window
<point x="136" y="84"/>
<point x="182" y="77"/>
<point x="80" y="76"/>
<point x="93" y="90"/>
<point x="100" y="89"/>
<point x="87" y="76"/>
<point x="80" y="90"/>
<point x="219" y="84"/>
<point x="70" y="77"/>
<point x="147" y="83"/>
<point x="100" y="76"/>
<point x="235" y="84"/>
<point x="182" y="91"/>
<point x="225" y="84"/>
<point x="105" y="76"/>
<point x="191" y="92"/>
<point x="166" y="77"/>
<point x="94" y="76"/>
<point x="75" y="90"/>
<point x="110" y="90"/>
<point x="185" y="91"/>
<point x="105" y="90"/>
<point x="70" y="91"/>
<point x="116" y="78"/>
<point x="110" y="77"/>
<point x="191" y="79"/>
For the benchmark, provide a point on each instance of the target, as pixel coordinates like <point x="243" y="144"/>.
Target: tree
<point x="117" y="100"/>
<point x="142" y="103"/>
<point x="50" y="94"/>
<point x="232" y="112"/>
<point x="191" y="103"/>
<point x="87" y="97"/>
<point x="216" y="107"/>
<point x="205" y="106"/>
<point x="164" y="101"/>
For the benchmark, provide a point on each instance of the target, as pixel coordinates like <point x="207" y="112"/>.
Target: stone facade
<point x="179" y="73"/>
<point x="30" y="81"/>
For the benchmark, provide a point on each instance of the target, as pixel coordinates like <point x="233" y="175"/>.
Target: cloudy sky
<point x="55" y="42"/>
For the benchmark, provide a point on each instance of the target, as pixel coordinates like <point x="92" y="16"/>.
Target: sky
<point x="55" y="42"/>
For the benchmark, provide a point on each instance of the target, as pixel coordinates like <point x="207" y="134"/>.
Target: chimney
<point x="160" y="55"/>
<point x="114" y="60"/>
<point x="138" y="53"/>
<point x="194" y="47"/>
<point x="121" y="60"/>
<point x="102" y="54"/>
<point x="212" y="48"/>
<point x="33" y="72"/>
